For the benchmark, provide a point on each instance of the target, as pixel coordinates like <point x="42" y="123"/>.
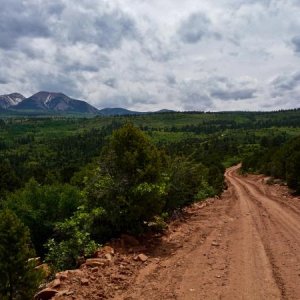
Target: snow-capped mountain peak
<point x="10" y="100"/>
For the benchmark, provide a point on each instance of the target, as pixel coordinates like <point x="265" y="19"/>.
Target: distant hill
<point x="118" y="112"/>
<point x="165" y="111"/>
<point x="51" y="103"/>
<point x="55" y="102"/>
<point x="10" y="100"/>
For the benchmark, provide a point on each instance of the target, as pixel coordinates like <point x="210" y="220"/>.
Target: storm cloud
<point x="182" y="55"/>
<point x="296" y="43"/>
<point x="194" y="28"/>
<point x="18" y="20"/>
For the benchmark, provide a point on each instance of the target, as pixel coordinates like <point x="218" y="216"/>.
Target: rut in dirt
<point x="245" y="245"/>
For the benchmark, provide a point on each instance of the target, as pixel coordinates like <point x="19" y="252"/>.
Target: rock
<point x="216" y="244"/>
<point x="118" y="278"/>
<point x="97" y="262"/>
<point x="61" y="275"/>
<point x="75" y="272"/>
<point x="65" y="293"/>
<point x="142" y="257"/>
<point x="45" y="294"/>
<point x="108" y="250"/>
<point x="108" y="256"/>
<point x="45" y="269"/>
<point x="54" y="284"/>
<point x="84" y="281"/>
<point x="95" y="269"/>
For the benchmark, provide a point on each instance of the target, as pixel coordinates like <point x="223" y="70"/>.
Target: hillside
<point x="11" y="100"/>
<point x="210" y="251"/>
<point x="54" y="102"/>
<point x="118" y="112"/>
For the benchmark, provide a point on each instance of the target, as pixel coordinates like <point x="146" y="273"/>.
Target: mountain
<point x="55" y="102"/>
<point x="10" y="100"/>
<point x="48" y="102"/>
<point x="118" y="111"/>
<point x="165" y="111"/>
<point x="123" y="112"/>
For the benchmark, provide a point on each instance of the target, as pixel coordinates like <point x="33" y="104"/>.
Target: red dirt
<point x="245" y="245"/>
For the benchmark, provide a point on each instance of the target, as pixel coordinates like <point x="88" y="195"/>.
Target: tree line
<point x="277" y="158"/>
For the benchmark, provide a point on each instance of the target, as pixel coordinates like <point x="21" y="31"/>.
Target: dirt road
<point x="245" y="245"/>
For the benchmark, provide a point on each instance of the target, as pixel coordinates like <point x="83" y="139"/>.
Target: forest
<point x="70" y="184"/>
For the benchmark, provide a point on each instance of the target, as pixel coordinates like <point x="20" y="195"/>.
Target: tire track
<point x="245" y="246"/>
<point x="279" y="225"/>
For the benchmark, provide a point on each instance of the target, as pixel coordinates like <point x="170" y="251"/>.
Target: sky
<point x="156" y="54"/>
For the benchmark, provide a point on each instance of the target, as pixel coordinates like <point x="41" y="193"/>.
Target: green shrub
<point x="130" y="184"/>
<point x="18" y="279"/>
<point x="72" y="242"/>
<point x="187" y="183"/>
<point x="40" y="207"/>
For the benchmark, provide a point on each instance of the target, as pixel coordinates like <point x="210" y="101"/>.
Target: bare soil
<point x="245" y="245"/>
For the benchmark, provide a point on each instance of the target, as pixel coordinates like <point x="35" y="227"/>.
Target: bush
<point x="130" y="184"/>
<point x="40" y="207"/>
<point x="18" y="279"/>
<point x="293" y="171"/>
<point x="72" y="242"/>
<point x="187" y="183"/>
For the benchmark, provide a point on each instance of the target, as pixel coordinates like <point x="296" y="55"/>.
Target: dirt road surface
<point x="245" y="245"/>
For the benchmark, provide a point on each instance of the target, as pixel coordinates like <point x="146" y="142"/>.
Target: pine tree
<point x="18" y="279"/>
<point x="130" y="187"/>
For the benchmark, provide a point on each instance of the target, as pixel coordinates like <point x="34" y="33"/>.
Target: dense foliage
<point x="18" y="278"/>
<point x="40" y="207"/>
<point x="75" y="183"/>
<point x="130" y="184"/>
<point x="277" y="159"/>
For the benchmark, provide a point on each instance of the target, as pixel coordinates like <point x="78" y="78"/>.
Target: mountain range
<point x="49" y="102"/>
<point x="46" y="102"/>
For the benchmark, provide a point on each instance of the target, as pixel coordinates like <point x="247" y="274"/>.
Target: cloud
<point x="234" y="95"/>
<point x="204" y="93"/>
<point x="171" y="79"/>
<point x="20" y="19"/>
<point x="285" y="83"/>
<point x="206" y="55"/>
<point x="111" y="82"/>
<point x="3" y="81"/>
<point x="76" y="22"/>
<point x="296" y="43"/>
<point x="194" y="28"/>
<point x="107" y="30"/>
<point x="225" y="89"/>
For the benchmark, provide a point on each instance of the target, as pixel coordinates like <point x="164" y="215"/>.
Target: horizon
<point x="163" y="110"/>
<point x="229" y="55"/>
